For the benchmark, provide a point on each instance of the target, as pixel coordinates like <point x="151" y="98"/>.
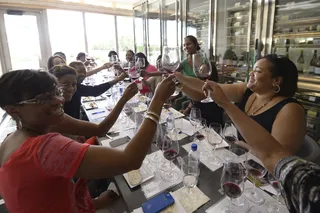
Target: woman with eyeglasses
<point x="37" y="166"/>
<point x="267" y="98"/>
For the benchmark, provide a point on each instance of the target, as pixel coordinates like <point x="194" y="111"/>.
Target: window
<point x="101" y="36"/>
<point x="154" y="40"/>
<point x="66" y="32"/>
<point x="125" y="35"/>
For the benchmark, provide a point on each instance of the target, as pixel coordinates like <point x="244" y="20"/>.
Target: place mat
<point x="98" y="113"/>
<point x="181" y="195"/>
<point x="120" y="125"/>
<point x="179" y="136"/>
<point x="254" y="208"/>
<point x="145" y="173"/>
<point x="175" y="208"/>
<point x="219" y="153"/>
<point x="157" y="185"/>
<point x="165" y="114"/>
<point x="185" y="126"/>
<point x="140" y="108"/>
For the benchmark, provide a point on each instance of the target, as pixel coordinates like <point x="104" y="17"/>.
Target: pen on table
<point x="95" y="113"/>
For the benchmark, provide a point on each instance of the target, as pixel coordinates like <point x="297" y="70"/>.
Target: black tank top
<point x="266" y="118"/>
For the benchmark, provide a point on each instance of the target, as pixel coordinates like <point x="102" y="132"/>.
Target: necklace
<point x="259" y="108"/>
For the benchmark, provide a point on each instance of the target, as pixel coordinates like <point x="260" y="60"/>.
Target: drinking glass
<point x="158" y="139"/>
<point x="195" y="115"/>
<point x="256" y="171"/>
<point x="202" y="69"/>
<point x="190" y="169"/>
<point x="232" y="183"/>
<point x="230" y="133"/>
<point x="274" y="206"/>
<point x="170" y="150"/>
<point x="201" y="136"/>
<point x="114" y="59"/>
<point x="134" y="72"/>
<point x="214" y="137"/>
<point x="140" y="63"/>
<point x="170" y="60"/>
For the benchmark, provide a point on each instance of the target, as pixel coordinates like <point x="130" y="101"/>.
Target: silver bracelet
<point x="154" y="114"/>
<point x="152" y="118"/>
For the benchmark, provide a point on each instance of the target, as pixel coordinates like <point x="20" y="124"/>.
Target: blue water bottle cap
<point x="194" y="147"/>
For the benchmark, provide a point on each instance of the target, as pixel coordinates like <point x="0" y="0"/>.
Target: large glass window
<point x="23" y="41"/>
<point x="66" y="32"/>
<point x="125" y="35"/>
<point x="101" y="36"/>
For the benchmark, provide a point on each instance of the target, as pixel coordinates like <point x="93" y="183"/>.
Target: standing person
<point x="211" y="112"/>
<point x="72" y="107"/>
<point x="55" y="60"/>
<point x="37" y="166"/>
<point x="148" y="68"/>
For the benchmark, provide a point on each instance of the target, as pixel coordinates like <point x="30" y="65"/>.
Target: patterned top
<point x="37" y="177"/>
<point x="300" y="184"/>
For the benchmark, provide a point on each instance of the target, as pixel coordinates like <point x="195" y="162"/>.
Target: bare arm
<point x="233" y="92"/>
<point x="101" y="162"/>
<point x="289" y="127"/>
<point x="95" y="71"/>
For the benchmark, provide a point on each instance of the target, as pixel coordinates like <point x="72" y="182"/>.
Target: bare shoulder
<point x="292" y="109"/>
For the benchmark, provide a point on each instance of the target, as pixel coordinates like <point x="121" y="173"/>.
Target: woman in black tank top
<point x="267" y="98"/>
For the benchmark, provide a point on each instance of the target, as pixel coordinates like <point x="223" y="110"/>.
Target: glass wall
<point x="125" y="35"/>
<point x="66" y="34"/>
<point x="101" y="36"/>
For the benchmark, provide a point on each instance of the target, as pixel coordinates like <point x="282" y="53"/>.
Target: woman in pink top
<point x="147" y="68"/>
<point x="37" y="167"/>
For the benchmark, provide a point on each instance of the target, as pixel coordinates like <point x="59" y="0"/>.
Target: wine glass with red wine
<point x="202" y="69"/>
<point x="170" y="150"/>
<point x="232" y="183"/>
<point x="195" y="115"/>
<point x="256" y="171"/>
<point x="274" y="206"/>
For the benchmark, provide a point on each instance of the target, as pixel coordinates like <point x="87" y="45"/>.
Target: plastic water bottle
<point x="195" y="154"/>
<point x="170" y="122"/>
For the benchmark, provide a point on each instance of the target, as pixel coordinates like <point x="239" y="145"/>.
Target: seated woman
<point x="154" y="77"/>
<point x="268" y="99"/>
<point x="148" y="68"/>
<point x="211" y="112"/>
<point x="72" y="107"/>
<point x="83" y="58"/>
<point x="299" y="179"/>
<point x="37" y="167"/>
<point x="55" y="60"/>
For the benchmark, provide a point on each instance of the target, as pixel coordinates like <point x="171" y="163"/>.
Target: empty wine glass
<point x="214" y="137"/>
<point x="256" y="171"/>
<point x="170" y="58"/>
<point x="114" y="59"/>
<point x="195" y="115"/>
<point x="274" y="206"/>
<point x="232" y="183"/>
<point x="201" y="136"/>
<point x="158" y="139"/>
<point x="140" y="63"/>
<point x="190" y="169"/>
<point x="202" y="69"/>
<point x="134" y="72"/>
<point x="170" y="149"/>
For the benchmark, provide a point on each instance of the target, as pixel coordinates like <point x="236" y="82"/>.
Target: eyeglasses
<point x="44" y="98"/>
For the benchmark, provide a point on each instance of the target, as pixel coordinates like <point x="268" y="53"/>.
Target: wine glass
<point x="201" y="136"/>
<point x="256" y="171"/>
<point x="214" y="137"/>
<point x="230" y="133"/>
<point x="232" y="183"/>
<point x="134" y="72"/>
<point x="127" y="112"/>
<point x="195" y="115"/>
<point x="202" y="69"/>
<point x="273" y="206"/>
<point x="170" y="150"/>
<point x="170" y="58"/>
<point x="114" y="59"/>
<point x="190" y="169"/>
<point x="158" y="140"/>
<point x="140" y="63"/>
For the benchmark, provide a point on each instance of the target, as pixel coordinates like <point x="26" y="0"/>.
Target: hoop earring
<point x="278" y="88"/>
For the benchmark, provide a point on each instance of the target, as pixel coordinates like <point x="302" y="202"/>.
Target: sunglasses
<point x="44" y="98"/>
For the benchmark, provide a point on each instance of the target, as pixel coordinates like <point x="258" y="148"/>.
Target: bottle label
<point x="317" y="70"/>
<point x="311" y="69"/>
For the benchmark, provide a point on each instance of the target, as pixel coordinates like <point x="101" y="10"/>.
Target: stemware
<point x="202" y="69"/>
<point x="232" y="183"/>
<point x="170" y="58"/>
<point x="230" y="133"/>
<point x="114" y="59"/>
<point x="214" y="137"/>
<point x="200" y="137"/>
<point x="134" y="72"/>
<point x="256" y="171"/>
<point x="190" y="169"/>
<point x="170" y="150"/>
<point x="195" y="115"/>
<point x="274" y="206"/>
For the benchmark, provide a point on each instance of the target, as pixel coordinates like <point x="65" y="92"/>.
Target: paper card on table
<point x="157" y="185"/>
<point x="121" y="125"/>
<point x="181" y="195"/>
<point x="185" y="126"/>
<point x="178" y="136"/>
<point x="205" y="142"/>
<point x="165" y="113"/>
<point x="254" y="208"/>
<point x="140" y="108"/>
<point x="97" y="113"/>
<point x="145" y="173"/>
